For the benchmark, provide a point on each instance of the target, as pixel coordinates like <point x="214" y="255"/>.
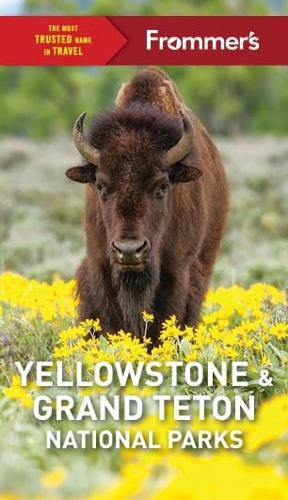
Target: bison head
<point x="133" y="157"/>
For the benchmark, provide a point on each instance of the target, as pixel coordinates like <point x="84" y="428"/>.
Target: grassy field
<point x="41" y="211"/>
<point x="41" y="234"/>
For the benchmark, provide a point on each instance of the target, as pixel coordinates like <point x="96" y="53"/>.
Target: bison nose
<point x="130" y="251"/>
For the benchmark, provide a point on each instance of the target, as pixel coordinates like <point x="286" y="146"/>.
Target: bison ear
<point x="184" y="170"/>
<point x="83" y="173"/>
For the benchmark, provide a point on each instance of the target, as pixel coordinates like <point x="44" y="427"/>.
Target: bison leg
<point x="171" y="298"/>
<point x="199" y="283"/>
<point x="182" y="294"/>
<point x="86" y="308"/>
<point x="95" y="299"/>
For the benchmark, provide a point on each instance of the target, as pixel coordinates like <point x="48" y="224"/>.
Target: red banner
<point x="58" y="40"/>
<point x="94" y="40"/>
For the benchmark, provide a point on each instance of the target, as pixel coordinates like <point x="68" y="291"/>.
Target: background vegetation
<point x="41" y="102"/>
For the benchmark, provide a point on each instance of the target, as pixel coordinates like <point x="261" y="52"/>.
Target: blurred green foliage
<point x="44" y="101"/>
<point x="155" y="7"/>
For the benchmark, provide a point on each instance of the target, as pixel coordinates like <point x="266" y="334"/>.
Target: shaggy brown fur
<point x="183" y="224"/>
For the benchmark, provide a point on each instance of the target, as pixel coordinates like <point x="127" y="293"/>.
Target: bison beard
<point x="135" y="292"/>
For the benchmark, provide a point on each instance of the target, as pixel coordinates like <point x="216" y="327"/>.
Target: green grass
<point x="41" y="211"/>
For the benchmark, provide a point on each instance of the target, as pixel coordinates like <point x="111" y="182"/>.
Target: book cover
<point x="143" y="255"/>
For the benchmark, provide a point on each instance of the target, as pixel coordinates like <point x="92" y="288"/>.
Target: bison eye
<point x="101" y="190"/>
<point x="161" y="190"/>
<point x="99" y="187"/>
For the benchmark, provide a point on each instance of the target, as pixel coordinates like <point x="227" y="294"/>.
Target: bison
<point x="156" y="204"/>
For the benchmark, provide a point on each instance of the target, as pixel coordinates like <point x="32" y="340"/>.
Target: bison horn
<point x="183" y="146"/>
<point x="84" y="147"/>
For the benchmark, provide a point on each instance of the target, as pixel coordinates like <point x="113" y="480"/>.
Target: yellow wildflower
<point x="149" y="318"/>
<point x="279" y="330"/>
<point x="19" y="393"/>
<point x="54" y="478"/>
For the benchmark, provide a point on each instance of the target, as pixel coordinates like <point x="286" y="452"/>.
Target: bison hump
<point x="151" y="86"/>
